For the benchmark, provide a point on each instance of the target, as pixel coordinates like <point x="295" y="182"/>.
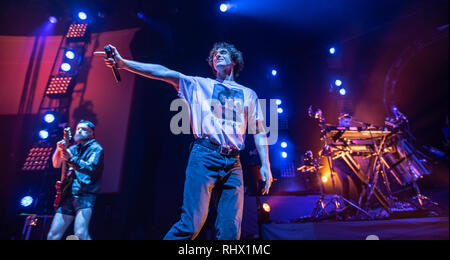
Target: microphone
<point x="110" y="54"/>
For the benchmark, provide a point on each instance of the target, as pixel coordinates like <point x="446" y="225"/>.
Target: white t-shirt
<point x="221" y="111"/>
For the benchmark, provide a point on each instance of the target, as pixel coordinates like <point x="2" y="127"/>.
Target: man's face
<point x="83" y="133"/>
<point x="222" y="60"/>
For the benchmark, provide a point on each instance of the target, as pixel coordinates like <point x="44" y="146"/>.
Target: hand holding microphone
<point x="112" y="59"/>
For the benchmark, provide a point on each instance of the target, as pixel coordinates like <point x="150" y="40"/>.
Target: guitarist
<point x="79" y="189"/>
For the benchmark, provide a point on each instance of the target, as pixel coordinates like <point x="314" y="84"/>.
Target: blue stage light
<point x="332" y="50"/>
<point x="284" y="155"/>
<point x="224" y="7"/>
<point x="280" y="110"/>
<point x="43" y="134"/>
<point x="82" y="15"/>
<point x="338" y="82"/>
<point x="274" y="72"/>
<point x="140" y="15"/>
<point x="52" y="19"/>
<point x="26" y="201"/>
<point x="70" y="55"/>
<point x="283" y="145"/>
<point x="65" y="67"/>
<point x="342" y="91"/>
<point x="49" y="118"/>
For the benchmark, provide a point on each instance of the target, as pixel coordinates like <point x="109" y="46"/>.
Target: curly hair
<point x="235" y="54"/>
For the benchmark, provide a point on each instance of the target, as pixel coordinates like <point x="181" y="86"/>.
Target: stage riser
<point x="399" y="229"/>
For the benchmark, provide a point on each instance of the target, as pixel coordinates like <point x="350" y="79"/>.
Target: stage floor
<point x="436" y="228"/>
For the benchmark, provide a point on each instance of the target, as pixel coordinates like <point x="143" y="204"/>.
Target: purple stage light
<point x="52" y="19"/>
<point x="82" y="15"/>
<point x="70" y="55"/>
<point x="49" y="118"/>
<point x="26" y="201"/>
<point x="332" y="50"/>
<point x="65" y="67"/>
<point x="43" y="134"/>
<point x="224" y="7"/>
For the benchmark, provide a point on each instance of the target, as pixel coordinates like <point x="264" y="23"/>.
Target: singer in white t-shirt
<point x="221" y="112"/>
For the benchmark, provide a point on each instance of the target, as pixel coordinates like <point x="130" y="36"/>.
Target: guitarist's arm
<point x="56" y="159"/>
<point x="89" y="166"/>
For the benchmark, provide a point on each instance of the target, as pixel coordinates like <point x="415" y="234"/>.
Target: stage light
<point x="284" y="155"/>
<point x="82" y="16"/>
<point x="332" y="50"/>
<point x="274" y="72"/>
<point x="279" y="102"/>
<point x="43" y="134"/>
<point x="338" y="82"/>
<point x="140" y="15"/>
<point x="49" y="118"/>
<point x="342" y="91"/>
<point x="224" y="7"/>
<point x="280" y="110"/>
<point x="283" y="145"/>
<point x="324" y="179"/>
<point x="38" y="159"/>
<point x="65" y="67"/>
<point x="266" y="207"/>
<point x="70" y="54"/>
<point x="52" y="19"/>
<point x="58" y="86"/>
<point x="77" y="31"/>
<point x="26" y="201"/>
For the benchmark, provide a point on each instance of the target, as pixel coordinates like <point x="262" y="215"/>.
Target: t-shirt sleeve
<point x="255" y="115"/>
<point x="187" y="87"/>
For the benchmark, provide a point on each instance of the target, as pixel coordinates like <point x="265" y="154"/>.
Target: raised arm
<point x="153" y="71"/>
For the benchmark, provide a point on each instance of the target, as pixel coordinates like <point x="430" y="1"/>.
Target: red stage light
<point x="77" y="30"/>
<point x="58" y="86"/>
<point x="37" y="159"/>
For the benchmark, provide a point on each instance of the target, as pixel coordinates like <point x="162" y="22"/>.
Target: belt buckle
<point x="225" y="151"/>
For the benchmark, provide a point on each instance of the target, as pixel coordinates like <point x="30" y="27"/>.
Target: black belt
<point x="218" y="148"/>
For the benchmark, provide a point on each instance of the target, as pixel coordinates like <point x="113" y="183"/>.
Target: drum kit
<point x="383" y="159"/>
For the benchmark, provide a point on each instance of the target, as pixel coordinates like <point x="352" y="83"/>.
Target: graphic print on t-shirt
<point x="226" y="104"/>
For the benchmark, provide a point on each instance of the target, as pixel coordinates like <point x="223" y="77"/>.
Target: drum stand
<point x="320" y="210"/>
<point x="336" y="201"/>
<point x="377" y="170"/>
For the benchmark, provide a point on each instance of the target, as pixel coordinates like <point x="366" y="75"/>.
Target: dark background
<point x="291" y="36"/>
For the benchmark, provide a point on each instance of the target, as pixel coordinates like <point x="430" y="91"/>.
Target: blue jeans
<point x="208" y="169"/>
<point x="71" y="204"/>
